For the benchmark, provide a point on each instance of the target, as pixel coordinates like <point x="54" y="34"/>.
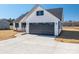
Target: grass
<point x="69" y="35"/>
<point x="6" y="34"/>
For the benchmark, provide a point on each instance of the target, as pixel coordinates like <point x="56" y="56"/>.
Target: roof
<point x="21" y="17"/>
<point x="3" y="20"/>
<point x="58" y="12"/>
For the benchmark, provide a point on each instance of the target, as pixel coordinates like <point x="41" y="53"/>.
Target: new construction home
<point x="40" y="21"/>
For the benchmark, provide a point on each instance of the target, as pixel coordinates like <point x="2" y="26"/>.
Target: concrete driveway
<point x="36" y="44"/>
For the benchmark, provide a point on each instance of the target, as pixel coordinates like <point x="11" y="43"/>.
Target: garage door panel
<point x="41" y="28"/>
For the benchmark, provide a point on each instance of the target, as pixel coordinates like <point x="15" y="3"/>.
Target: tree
<point x="10" y="20"/>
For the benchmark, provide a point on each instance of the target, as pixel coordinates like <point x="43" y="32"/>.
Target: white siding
<point x="27" y="27"/>
<point x="61" y="27"/>
<point x="56" y="28"/>
<point x="47" y="17"/>
<point x="14" y="26"/>
<point x="18" y="29"/>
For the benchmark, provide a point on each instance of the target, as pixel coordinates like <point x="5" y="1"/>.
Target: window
<point x="16" y="25"/>
<point x="40" y="13"/>
<point x="23" y="25"/>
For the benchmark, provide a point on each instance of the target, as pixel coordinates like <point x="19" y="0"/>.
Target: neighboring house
<point x="40" y="21"/>
<point x="4" y="24"/>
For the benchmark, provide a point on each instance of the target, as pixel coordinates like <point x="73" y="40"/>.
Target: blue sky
<point x="71" y="11"/>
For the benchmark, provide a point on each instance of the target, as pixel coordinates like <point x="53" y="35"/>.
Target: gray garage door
<point x="41" y="28"/>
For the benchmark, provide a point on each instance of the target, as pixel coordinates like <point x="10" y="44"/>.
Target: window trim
<point x="40" y="13"/>
<point x="23" y="25"/>
<point x="16" y="25"/>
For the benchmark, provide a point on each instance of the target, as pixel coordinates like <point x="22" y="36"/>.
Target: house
<point x="40" y="21"/>
<point x="4" y="24"/>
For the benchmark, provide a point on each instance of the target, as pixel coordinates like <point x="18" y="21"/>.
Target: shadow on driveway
<point x="48" y="35"/>
<point x="42" y="35"/>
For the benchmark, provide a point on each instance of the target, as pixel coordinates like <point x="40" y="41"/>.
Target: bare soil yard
<point x="69" y="34"/>
<point x="6" y="34"/>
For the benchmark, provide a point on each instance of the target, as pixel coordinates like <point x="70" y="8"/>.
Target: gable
<point x="47" y="17"/>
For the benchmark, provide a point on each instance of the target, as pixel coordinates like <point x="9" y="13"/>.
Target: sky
<point x="71" y="11"/>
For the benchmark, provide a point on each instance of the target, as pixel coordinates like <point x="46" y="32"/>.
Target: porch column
<point x="27" y="27"/>
<point x="20" y="29"/>
<point x="14" y="28"/>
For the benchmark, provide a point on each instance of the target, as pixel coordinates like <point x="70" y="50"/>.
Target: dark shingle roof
<point x="20" y="17"/>
<point x="58" y="12"/>
<point x="3" y="20"/>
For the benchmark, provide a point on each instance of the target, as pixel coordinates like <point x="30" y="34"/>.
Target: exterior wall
<point x="14" y="26"/>
<point x="59" y="29"/>
<point x="56" y="28"/>
<point x="27" y="27"/>
<point x="17" y="29"/>
<point x="46" y="18"/>
<point x="4" y="24"/>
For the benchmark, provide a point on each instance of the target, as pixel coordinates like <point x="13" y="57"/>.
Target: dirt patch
<point x="6" y="34"/>
<point x="69" y="34"/>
